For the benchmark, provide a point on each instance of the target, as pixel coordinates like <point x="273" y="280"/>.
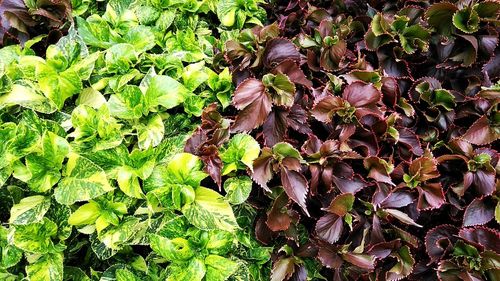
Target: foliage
<point x="378" y="122"/>
<point x="94" y="181"/>
<point x="252" y="140"/>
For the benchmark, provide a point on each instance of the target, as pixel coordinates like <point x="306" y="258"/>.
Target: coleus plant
<point x="22" y="20"/>
<point x="378" y="123"/>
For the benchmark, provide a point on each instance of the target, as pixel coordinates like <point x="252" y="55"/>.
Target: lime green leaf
<point x="176" y="249"/>
<point x="238" y="189"/>
<point x="45" y="166"/>
<point x="194" y="270"/>
<point x="220" y="242"/>
<point x="151" y="134"/>
<point x="219" y="268"/>
<point x="141" y="37"/>
<point x="129" y="182"/>
<point x="36" y="237"/>
<point x="91" y="97"/>
<point x="115" y="237"/>
<point x="210" y="211"/>
<point x="120" y="58"/>
<point x="29" y="210"/>
<point x="59" y="86"/>
<point x="9" y="254"/>
<point x="185" y="168"/>
<point x="194" y="75"/>
<point x="128" y="103"/>
<point x="240" y="153"/>
<point x="284" y="149"/>
<point x="165" y="91"/>
<point x="85" y="214"/>
<point x="47" y="268"/>
<point x="497" y="212"/>
<point x="84" y="180"/>
<point x="27" y="96"/>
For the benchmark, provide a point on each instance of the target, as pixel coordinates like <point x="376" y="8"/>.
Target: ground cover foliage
<point x="249" y="140"/>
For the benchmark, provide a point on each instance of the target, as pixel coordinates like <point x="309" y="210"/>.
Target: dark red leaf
<point x="361" y="94"/>
<point x="397" y="199"/>
<point x="275" y="127"/>
<point x="297" y="120"/>
<point x="486" y="237"/>
<point x="278" y="218"/>
<point x="329" y="257"/>
<point x="325" y="108"/>
<point x="329" y="227"/>
<point x="294" y="73"/>
<point x="341" y="205"/>
<point x="262" y="168"/>
<point x="349" y="185"/>
<point x="480" y="211"/>
<point x="278" y="50"/>
<point x="296" y="187"/>
<point x="484" y="182"/>
<point x="481" y="132"/>
<point x="430" y="196"/>
<point x="213" y="163"/>
<point x="423" y="169"/>
<point x="361" y="260"/>
<point x="440" y="240"/>
<point x="254" y="102"/>
<point x="378" y="170"/>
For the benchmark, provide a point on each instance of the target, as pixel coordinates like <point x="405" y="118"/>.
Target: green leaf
<point x="36" y="237"/>
<point x="283" y="150"/>
<point x="59" y="86"/>
<point x="414" y="38"/>
<point x="45" y="165"/>
<point x="220" y="242"/>
<point x="379" y="25"/>
<point x="210" y="211"/>
<point x="29" y="210"/>
<point x="9" y="254"/>
<point x="27" y="96"/>
<point x="240" y="153"/>
<point x="115" y="237"/>
<point x="284" y="88"/>
<point x="341" y="205"/>
<point x="123" y="274"/>
<point x="175" y="250"/>
<point x="128" y="103"/>
<point x="467" y="20"/>
<point x="226" y="12"/>
<point x="165" y="91"/>
<point x="194" y="270"/>
<point x="185" y="168"/>
<point x="47" y="268"/>
<point x="404" y="266"/>
<point x="85" y="214"/>
<point x="194" y="75"/>
<point x="95" y="129"/>
<point x="238" y="189"/>
<point x="120" y="58"/>
<point x="91" y="97"/>
<point x="151" y="134"/>
<point x="440" y="97"/>
<point x="219" y="268"/>
<point x="84" y="181"/>
<point x="129" y="182"/>
<point x="141" y="37"/>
